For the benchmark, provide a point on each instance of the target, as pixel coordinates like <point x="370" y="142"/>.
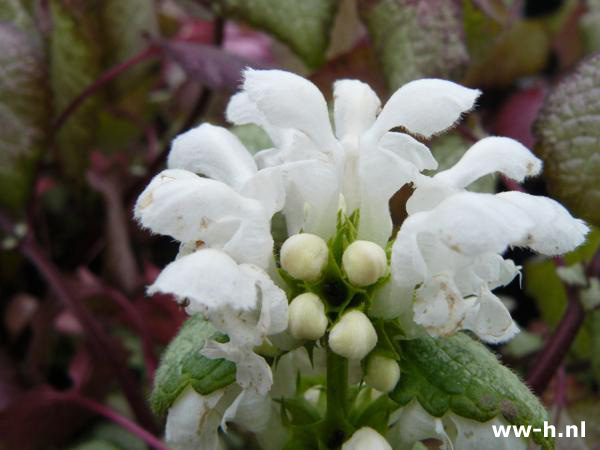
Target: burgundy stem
<point x="104" y="78"/>
<point x="557" y="346"/>
<point x="101" y="343"/>
<point x="120" y="420"/>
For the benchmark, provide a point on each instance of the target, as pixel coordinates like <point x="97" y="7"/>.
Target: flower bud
<point x="364" y="438"/>
<point x="307" y="319"/>
<point x="364" y="262"/>
<point x="382" y="373"/>
<point x="353" y="336"/>
<point x="304" y="256"/>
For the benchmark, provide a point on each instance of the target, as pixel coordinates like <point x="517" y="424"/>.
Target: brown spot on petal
<point x="146" y="200"/>
<point x="529" y="167"/>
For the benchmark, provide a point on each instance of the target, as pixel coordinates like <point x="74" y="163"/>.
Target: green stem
<point x="337" y="427"/>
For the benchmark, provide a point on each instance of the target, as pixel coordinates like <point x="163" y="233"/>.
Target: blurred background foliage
<point x="92" y="92"/>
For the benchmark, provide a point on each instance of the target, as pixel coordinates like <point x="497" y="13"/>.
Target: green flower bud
<point x="382" y="373"/>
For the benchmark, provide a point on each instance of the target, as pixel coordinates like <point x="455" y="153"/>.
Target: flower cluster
<point x="341" y="266"/>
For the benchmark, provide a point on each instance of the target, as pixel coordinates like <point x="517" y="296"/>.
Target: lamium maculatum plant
<point x="344" y="332"/>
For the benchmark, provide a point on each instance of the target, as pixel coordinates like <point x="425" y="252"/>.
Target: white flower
<point x="366" y="438"/>
<point x="450" y="245"/>
<point x="231" y="210"/>
<point x="412" y="424"/>
<point x="239" y="300"/>
<point x="193" y="419"/>
<point x="363" y="163"/>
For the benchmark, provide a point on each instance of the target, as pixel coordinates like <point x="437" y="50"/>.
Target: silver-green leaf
<point x="416" y="39"/>
<point x="24" y="112"/>
<point x="182" y="365"/>
<point x="568" y="138"/>
<point x="461" y="375"/>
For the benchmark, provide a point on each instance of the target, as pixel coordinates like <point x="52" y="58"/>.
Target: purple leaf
<point x="211" y="66"/>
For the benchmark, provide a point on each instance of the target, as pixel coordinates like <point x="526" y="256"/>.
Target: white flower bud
<point x="382" y="373"/>
<point x="366" y="438"/>
<point x="304" y="256"/>
<point x="353" y="336"/>
<point x="307" y="319"/>
<point x="364" y="262"/>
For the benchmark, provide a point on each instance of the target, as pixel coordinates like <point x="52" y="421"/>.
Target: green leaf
<point x="461" y="375"/>
<point x="252" y="136"/>
<point x="74" y="65"/>
<point x="567" y="140"/>
<point x="14" y="12"/>
<point x="502" y="52"/>
<point x="182" y="365"/>
<point x="416" y="39"/>
<point x="129" y="25"/>
<point x="24" y="112"/>
<point x="590" y="27"/>
<point x="299" y="411"/>
<point x="303" y="25"/>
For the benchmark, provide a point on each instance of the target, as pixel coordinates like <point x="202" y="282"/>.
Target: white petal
<point x="312" y="197"/>
<point x="273" y="302"/>
<point x="408" y="266"/>
<point x="210" y="279"/>
<point x="555" y="231"/>
<point x="366" y="438"/>
<point x="294" y="146"/>
<point x="472" y="223"/>
<point x="410" y="149"/>
<point x="424" y="107"/>
<point x="428" y="194"/>
<point x="355" y="107"/>
<point x="381" y="174"/>
<point x="431" y="308"/>
<point x="440" y="308"/>
<point x="488" y="270"/>
<point x="214" y="152"/>
<point x="250" y="410"/>
<point x="193" y="422"/>
<point x="290" y="101"/>
<point x="473" y="435"/>
<point x="189" y="208"/>
<point x="490" y="320"/>
<point x="243" y="111"/>
<point x="266" y="186"/>
<point x="252" y="371"/>
<point x="413" y="425"/>
<point x="489" y="155"/>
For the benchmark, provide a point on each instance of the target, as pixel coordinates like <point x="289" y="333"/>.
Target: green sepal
<point x="461" y="375"/>
<point x="182" y="365"/>
<point x="374" y="414"/>
<point x="298" y="411"/>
